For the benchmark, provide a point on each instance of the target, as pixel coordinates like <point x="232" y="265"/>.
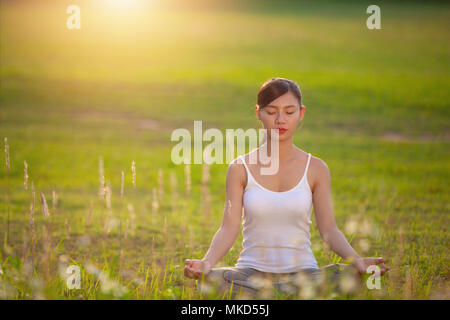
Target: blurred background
<point x="78" y="103"/>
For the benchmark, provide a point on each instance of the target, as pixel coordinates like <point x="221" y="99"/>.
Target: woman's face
<point x="283" y="112"/>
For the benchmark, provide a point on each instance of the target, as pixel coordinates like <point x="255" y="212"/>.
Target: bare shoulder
<point x="236" y="174"/>
<point x="318" y="164"/>
<point x="318" y="171"/>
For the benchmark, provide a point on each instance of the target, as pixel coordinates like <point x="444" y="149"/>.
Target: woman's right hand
<point x="195" y="268"/>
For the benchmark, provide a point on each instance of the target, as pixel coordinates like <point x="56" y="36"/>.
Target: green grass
<point x="377" y="114"/>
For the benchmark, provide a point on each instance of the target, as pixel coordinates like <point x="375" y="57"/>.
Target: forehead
<point x="286" y="100"/>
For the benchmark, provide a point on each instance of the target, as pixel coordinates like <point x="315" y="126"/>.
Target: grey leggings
<point x="252" y="282"/>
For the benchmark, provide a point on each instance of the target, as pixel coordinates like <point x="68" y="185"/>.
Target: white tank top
<point x="276" y="235"/>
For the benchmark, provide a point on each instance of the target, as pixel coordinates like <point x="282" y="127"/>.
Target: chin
<point x="281" y="138"/>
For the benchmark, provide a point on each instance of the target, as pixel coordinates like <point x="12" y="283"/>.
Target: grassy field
<point x="377" y="113"/>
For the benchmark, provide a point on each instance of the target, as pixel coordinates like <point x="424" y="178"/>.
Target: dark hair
<point x="276" y="87"/>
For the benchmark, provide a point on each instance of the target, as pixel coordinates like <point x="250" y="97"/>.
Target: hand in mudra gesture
<point x="195" y="268"/>
<point x="363" y="263"/>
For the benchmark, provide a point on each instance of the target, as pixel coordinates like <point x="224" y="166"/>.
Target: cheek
<point x="294" y="119"/>
<point x="268" y="120"/>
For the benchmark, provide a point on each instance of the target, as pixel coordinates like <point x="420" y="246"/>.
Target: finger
<point x="191" y="274"/>
<point x="384" y="269"/>
<point x="193" y="268"/>
<point x="384" y="266"/>
<point x="196" y="270"/>
<point x="187" y="272"/>
<point x="196" y="273"/>
<point x="376" y="260"/>
<point x="189" y="268"/>
<point x="380" y="260"/>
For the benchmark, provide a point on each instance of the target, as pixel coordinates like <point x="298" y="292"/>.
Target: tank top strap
<point x="307" y="163"/>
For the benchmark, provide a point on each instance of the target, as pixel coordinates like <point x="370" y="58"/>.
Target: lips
<point x="282" y="130"/>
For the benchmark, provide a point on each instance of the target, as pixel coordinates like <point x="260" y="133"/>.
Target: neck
<point x="286" y="149"/>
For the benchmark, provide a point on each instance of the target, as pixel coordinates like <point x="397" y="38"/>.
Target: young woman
<point x="277" y="208"/>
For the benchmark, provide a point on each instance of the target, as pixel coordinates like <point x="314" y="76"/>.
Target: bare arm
<point x="323" y="210"/>
<point x="330" y="233"/>
<point x="231" y="224"/>
<point x="225" y="237"/>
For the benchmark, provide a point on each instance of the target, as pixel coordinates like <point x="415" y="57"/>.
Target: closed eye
<point x="272" y="113"/>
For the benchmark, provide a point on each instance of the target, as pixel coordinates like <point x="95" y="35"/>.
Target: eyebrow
<point x="291" y="105"/>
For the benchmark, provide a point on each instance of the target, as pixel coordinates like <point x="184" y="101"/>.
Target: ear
<point x="258" y="113"/>
<point x="302" y="112"/>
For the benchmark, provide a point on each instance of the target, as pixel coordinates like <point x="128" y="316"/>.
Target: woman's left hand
<point x="363" y="263"/>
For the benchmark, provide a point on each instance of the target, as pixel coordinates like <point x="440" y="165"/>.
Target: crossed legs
<point x="252" y="282"/>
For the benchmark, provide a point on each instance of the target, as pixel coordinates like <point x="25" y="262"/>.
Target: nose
<point x="280" y="118"/>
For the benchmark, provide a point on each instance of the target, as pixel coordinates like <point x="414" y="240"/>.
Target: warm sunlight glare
<point x="123" y="5"/>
